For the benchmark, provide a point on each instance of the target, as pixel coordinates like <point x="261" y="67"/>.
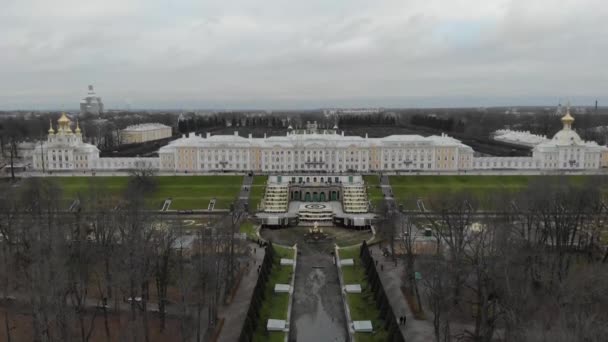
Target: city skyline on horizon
<point x="361" y="103"/>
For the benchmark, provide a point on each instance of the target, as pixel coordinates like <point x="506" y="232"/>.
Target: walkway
<point x="387" y="191"/>
<point x="392" y="278"/>
<point x="235" y="313"/>
<point x="243" y="199"/>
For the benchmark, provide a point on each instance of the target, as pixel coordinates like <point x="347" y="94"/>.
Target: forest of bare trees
<point x="110" y="270"/>
<point x="534" y="272"/>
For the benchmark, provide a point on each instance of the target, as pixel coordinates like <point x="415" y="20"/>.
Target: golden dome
<point x="567" y="119"/>
<point x="51" y="130"/>
<point x="77" y="127"/>
<point x="63" y="119"/>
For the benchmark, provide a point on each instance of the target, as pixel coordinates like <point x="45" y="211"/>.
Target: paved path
<point x="235" y="313"/>
<point x="387" y="191"/>
<point x="392" y="279"/>
<point x="243" y="200"/>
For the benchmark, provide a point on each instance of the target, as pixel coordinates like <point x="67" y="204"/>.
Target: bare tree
<point x="452" y="229"/>
<point x="236" y="215"/>
<point x="164" y="240"/>
<point x="10" y="215"/>
<point x="409" y="240"/>
<point x="103" y="220"/>
<point x="438" y="292"/>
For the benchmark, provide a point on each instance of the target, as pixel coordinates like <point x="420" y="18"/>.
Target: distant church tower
<point x="91" y="104"/>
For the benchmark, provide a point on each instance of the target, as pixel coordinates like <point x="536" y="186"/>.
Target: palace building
<point x="312" y="150"/>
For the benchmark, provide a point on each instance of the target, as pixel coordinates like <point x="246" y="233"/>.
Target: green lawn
<point x="248" y="228"/>
<point x="407" y="189"/>
<point x="604" y="236"/>
<point x="257" y="192"/>
<point x="374" y="193"/>
<point x="275" y="304"/>
<point x="362" y="306"/>
<point x="187" y="192"/>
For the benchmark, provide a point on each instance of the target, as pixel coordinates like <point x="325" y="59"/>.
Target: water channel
<point x="318" y="311"/>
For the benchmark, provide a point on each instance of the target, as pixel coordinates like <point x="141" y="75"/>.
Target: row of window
<point x="509" y="163"/>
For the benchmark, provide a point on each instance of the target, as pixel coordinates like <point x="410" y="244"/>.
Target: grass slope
<point x="275" y="304"/>
<point x="187" y="192"/>
<point x="407" y="189"/>
<point x="258" y="187"/>
<point x="374" y="193"/>
<point x="248" y="228"/>
<point x="362" y="305"/>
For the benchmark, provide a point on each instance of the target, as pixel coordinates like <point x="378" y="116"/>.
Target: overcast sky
<point x="302" y="54"/>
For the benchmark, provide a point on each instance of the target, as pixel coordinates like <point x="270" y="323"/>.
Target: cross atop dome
<point x="567" y="119"/>
<point x="51" y="130"/>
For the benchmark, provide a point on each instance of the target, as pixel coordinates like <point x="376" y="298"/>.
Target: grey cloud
<point x="274" y="53"/>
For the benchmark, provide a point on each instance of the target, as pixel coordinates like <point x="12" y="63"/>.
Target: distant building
<point x="523" y="138"/>
<point x="64" y="149"/>
<point x="91" y="104"/>
<point x="145" y="132"/>
<point x="565" y="151"/>
<point x="351" y="111"/>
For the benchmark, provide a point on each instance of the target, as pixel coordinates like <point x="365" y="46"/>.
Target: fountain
<point x="315" y="233"/>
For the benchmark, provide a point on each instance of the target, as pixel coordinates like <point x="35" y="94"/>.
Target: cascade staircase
<point x="276" y="198"/>
<point x="354" y="199"/>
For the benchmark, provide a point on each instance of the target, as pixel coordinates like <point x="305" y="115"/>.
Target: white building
<point x="568" y="151"/>
<point x="145" y="132"/>
<point x="565" y="151"/>
<point x="523" y="138"/>
<point x="91" y="104"/>
<point x="64" y="150"/>
<point x="317" y="152"/>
